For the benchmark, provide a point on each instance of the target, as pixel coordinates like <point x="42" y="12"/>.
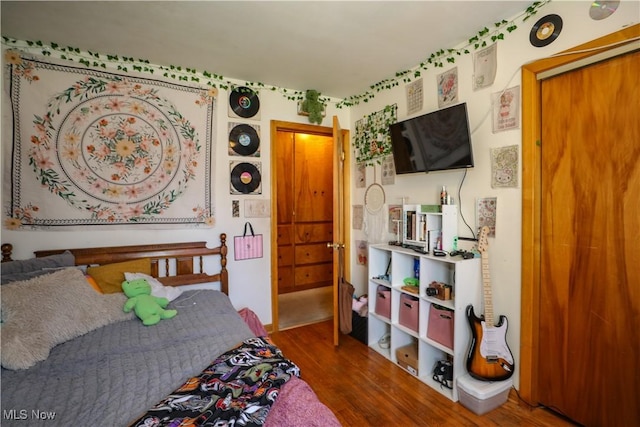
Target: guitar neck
<point x="486" y="286"/>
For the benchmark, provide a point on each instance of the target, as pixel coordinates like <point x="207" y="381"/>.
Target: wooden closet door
<point x="313" y="178"/>
<point x="313" y="206"/>
<point x="590" y="275"/>
<point x="304" y="210"/>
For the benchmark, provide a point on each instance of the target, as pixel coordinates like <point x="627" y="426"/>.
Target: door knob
<point x="335" y="245"/>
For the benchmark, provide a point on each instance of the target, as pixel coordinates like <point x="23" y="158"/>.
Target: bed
<point x="71" y="355"/>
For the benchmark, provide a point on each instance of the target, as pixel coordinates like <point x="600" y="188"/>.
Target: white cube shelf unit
<point x="465" y="278"/>
<point x="424" y="228"/>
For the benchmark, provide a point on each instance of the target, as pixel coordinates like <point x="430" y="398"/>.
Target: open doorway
<point x="309" y="191"/>
<point x="302" y="177"/>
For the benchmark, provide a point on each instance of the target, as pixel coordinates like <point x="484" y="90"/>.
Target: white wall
<point x="513" y="52"/>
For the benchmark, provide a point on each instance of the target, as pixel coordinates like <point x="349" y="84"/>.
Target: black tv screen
<point x="435" y="141"/>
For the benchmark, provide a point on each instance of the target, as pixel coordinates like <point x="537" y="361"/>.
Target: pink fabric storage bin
<point x="440" y="327"/>
<point x="383" y="301"/>
<point x="408" y="313"/>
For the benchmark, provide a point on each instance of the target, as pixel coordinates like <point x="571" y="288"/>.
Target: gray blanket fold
<point x="113" y="374"/>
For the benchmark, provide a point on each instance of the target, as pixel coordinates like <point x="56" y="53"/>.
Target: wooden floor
<point x="364" y="389"/>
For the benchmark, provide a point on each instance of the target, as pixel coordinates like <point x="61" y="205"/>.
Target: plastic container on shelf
<point x="481" y="397"/>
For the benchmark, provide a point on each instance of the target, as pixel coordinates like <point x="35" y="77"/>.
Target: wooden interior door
<point x="338" y="243"/>
<point x="589" y="318"/>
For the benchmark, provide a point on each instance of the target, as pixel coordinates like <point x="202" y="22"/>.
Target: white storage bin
<point x="481" y="397"/>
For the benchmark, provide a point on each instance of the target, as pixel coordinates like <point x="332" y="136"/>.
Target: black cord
<point x="460" y="205"/>
<point x="555" y="410"/>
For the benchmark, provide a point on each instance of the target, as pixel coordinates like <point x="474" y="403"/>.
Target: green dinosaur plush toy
<point x="148" y="308"/>
<point x="313" y="106"/>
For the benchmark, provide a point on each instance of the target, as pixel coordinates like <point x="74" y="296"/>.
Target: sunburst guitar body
<point x="489" y="357"/>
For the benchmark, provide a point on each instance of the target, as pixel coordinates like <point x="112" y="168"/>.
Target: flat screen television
<point x="435" y="141"/>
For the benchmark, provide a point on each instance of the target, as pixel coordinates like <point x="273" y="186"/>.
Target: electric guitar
<point x="489" y="357"/>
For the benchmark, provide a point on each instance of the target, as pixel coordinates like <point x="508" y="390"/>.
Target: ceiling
<point x="339" y="48"/>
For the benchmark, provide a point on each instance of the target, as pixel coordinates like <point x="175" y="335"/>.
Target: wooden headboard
<point x="188" y="259"/>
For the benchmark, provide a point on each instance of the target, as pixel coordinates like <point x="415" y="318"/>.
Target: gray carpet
<point x="305" y="307"/>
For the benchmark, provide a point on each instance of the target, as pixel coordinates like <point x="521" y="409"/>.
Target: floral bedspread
<point x="238" y="388"/>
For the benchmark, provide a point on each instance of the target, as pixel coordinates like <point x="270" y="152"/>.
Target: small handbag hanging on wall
<point x="247" y="246"/>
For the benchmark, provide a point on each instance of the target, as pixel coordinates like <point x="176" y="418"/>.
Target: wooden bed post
<point x="224" y="274"/>
<point x="7" y="248"/>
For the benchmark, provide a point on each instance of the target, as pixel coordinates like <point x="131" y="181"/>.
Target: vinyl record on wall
<point x="244" y="103"/>
<point x="244" y="140"/>
<point x="245" y="178"/>
<point x="545" y="31"/>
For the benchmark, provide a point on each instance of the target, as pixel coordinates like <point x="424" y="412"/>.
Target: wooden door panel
<point x="590" y="282"/>
<point x="284" y="174"/>
<point x="310" y="274"/>
<point x="285" y="234"/>
<point x="313" y="178"/>
<point x="312" y="254"/>
<point x="314" y="233"/>
<point x="286" y="280"/>
<point x="285" y="256"/>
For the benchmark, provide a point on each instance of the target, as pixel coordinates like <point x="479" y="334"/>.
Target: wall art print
<point x="504" y="167"/>
<point x="447" y="83"/>
<point x="505" y="111"/>
<point x="487" y="213"/>
<point x="95" y="148"/>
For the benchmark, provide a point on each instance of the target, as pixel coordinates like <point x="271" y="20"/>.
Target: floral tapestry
<point x="96" y="148"/>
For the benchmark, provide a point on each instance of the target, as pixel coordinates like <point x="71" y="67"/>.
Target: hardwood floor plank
<point x="364" y="389"/>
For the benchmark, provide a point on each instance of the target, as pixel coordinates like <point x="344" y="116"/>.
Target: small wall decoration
<point x="358" y="217"/>
<point x="244" y="103"/>
<point x="362" y="252"/>
<point x="395" y="217"/>
<point x="504" y="167"/>
<point x="249" y="245"/>
<point x="361" y="176"/>
<point x="486" y="212"/>
<point x="414" y="96"/>
<point x="96" y="148"/>
<point x="245" y="177"/>
<point x="603" y="9"/>
<point x="448" y="87"/>
<point x="546" y="30"/>
<point x="388" y="171"/>
<point x="244" y="139"/>
<point x="312" y="106"/>
<point x="372" y="141"/>
<point x="506" y="113"/>
<point x="257" y="208"/>
<point x="485" y="66"/>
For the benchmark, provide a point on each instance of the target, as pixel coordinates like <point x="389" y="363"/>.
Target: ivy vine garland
<point x="122" y="63"/>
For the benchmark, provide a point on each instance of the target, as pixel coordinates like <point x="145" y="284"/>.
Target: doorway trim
<point x="531" y="196"/>
<point x="277" y="126"/>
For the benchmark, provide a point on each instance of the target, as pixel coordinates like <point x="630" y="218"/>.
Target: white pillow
<point x="157" y="288"/>
<point x="42" y="312"/>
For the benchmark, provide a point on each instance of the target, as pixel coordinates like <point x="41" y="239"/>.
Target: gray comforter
<point x="112" y="375"/>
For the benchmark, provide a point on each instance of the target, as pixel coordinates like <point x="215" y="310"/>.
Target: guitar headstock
<point x="483" y="241"/>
